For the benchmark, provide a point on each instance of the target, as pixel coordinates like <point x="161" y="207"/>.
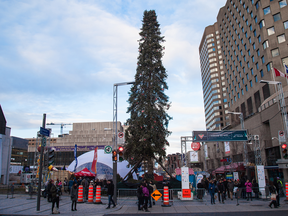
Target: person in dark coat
<point x="230" y="188"/>
<point x="225" y="183"/>
<point x="255" y="187"/>
<point x="55" y="198"/>
<point x="277" y="190"/>
<point x="200" y="189"/>
<point x="48" y="190"/>
<point x="145" y="196"/>
<point x="211" y="190"/>
<point x="140" y="197"/>
<point x="110" y="193"/>
<point x="74" y="196"/>
<point x="273" y="192"/>
<point x="221" y="191"/>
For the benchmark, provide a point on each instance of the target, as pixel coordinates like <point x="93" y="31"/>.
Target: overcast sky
<point x="62" y="58"/>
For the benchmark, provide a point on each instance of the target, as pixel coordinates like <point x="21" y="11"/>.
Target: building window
<point x="275" y="52"/>
<point x="261" y="72"/>
<point x="265" y="44"/>
<point x="271" y="30"/>
<point x="263" y="59"/>
<point x="257" y="4"/>
<point x="257" y="65"/>
<point x="276" y="17"/>
<point x="261" y="24"/>
<point x="250" y="40"/>
<point x="258" y="52"/>
<point x="254" y="32"/>
<point x="256" y="20"/>
<point x="242" y="91"/>
<point x="281" y="38"/>
<point x="252" y="71"/>
<point x="256" y="79"/>
<point x="266" y="10"/>
<point x="251" y="14"/>
<point x="244" y="58"/>
<point x="246" y="87"/>
<point x="282" y="3"/>
<point x="248" y="64"/>
<point x="250" y="83"/>
<point x="253" y="59"/>
<point x="243" y="81"/>
<point x="268" y="66"/>
<point x="247" y="76"/>
<point x="259" y="39"/>
<point x="254" y="46"/>
<point x="285" y="25"/>
<point x="249" y="53"/>
<point x="238" y="95"/>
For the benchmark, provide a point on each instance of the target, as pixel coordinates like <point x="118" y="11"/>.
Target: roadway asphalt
<point x="22" y="205"/>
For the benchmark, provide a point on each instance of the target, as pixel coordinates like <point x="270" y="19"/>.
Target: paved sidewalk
<point x="22" y="205"/>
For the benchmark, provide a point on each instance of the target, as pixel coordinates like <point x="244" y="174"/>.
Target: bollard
<point x="98" y="195"/>
<point x="80" y="194"/>
<point x="286" y="188"/>
<point x="166" y="197"/>
<point x="90" y="194"/>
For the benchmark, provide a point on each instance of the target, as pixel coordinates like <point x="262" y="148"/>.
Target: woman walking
<point x="74" y="196"/>
<point x="273" y="192"/>
<point x="248" y="189"/>
<point x="211" y="189"/>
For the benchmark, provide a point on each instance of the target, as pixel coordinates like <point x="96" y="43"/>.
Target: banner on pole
<point x="227" y="147"/>
<point x="94" y="163"/>
<point x="75" y="156"/>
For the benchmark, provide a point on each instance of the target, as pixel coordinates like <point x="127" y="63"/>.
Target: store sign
<point x="215" y="136"/>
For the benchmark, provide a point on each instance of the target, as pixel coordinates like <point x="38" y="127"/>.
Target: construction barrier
<point x="90" y="194"/>
<point x="166" y="197"/>
<point x="98" y="195"/>
<point x="80" y="194"/>
<point x="286" y="188"/>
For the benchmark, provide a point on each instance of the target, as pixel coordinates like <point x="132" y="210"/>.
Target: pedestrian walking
<point x="255" y="187"/>
<point x="110" y="193"/>
<point x="248" y="189"/>
<point x="154" y="188"/>
<point x="221" y="191"/>
<point x="55" y="193"/>
<point x="273" y="192"/>
<point x="277" y="190"/>
<point x="211" y="190"/>
<point x="145" y="196"/>
<point x="48" y="190"/>
<point x="74" y="196"/>
<point x="70" y="185"/>
<point x="230" y="187"/>
<point x="140" y="197"/>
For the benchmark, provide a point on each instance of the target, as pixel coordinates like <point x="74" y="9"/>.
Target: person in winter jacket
<point x="211" y="190"/>
<point x="221" y="191"/>
<point x="110" y="192"/>
<point x="55" y="193"/>
<point x="248" y="189"/>
<point x="230" y="187"/>
<point x="74" y="196"/>
<point x="145" y="196"/>
<point x="255" y="187"/>
<point x="154" y="188"/>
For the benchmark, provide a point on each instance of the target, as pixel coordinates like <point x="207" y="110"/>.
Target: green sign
<point x="219" y="136"/>
<point x="107" y="149"/>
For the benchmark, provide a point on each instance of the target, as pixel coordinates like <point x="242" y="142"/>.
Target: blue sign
<point x="44" y="132"/>
<point x="219" y="136"/>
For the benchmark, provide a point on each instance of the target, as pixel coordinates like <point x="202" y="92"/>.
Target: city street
<point x="22" y="205"/>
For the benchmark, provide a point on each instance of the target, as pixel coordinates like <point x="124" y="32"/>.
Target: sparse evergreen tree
<point x="146" y="136"/>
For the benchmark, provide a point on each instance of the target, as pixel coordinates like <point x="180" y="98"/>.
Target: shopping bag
<point x="273" y="196"/>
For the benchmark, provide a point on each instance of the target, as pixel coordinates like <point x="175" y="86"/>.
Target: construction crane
<point x="61" y="125"/>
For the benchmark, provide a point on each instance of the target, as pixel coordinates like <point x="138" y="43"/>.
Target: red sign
<point x="223" y="160"/>
<point x="195" y="146"/>
<point x="120" y="134"/>
<point x="186" y="193"/>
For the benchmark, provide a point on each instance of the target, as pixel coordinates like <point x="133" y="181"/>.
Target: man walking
<point x="221" y="191"/>
<point x="110" y="192"/>
<point x="55" y="198"/>
<point x="230" y="187"/>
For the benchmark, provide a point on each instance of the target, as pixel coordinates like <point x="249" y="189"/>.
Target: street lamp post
<point x="115" y="97"/>
<point x="245" y="159"/>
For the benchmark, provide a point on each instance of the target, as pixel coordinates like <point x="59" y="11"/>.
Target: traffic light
<point x="121" y="154"/>
<point x="114" y="155"/>
<point x="51" y="155"/>
<point x="284" y="151"/>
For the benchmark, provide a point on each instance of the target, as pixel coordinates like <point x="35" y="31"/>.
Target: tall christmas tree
<point x="146" y="136"/>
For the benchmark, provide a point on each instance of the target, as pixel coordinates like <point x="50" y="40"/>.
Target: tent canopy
<point x="85" y="173"/>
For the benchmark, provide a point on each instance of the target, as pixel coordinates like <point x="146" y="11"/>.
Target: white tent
<point x="106" y="159"/>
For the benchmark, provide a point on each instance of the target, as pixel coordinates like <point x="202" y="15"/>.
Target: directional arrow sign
<point x="156" y="195"/>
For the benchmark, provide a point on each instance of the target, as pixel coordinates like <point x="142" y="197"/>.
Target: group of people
<point x="144" y="191"/>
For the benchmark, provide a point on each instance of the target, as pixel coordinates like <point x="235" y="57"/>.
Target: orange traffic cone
<point x="90" y="194"/>
<point x="80" y="194"/>
<point x="166" y="197"/>
<point x="98" y="195"/>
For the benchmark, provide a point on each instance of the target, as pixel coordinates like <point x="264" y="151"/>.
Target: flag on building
<point x="75" y="156"/>
<point x="279" y="73"/>
<point x="94" y="163"/>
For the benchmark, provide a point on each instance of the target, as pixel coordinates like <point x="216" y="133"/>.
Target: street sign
<point x="195" y="146"/>
<point x="281" y="136"/>
<point x="44" y="132"/>
<point x="108" y="150"/>
<point x="186" y="193"/>
<point x="44" y="141"/>
<point x="120" y="134"/>
<point x="221" y="136"/>
<point x="156" y="195"/>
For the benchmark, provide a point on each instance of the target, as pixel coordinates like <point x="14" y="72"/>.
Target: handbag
<point x="273" y="196"/>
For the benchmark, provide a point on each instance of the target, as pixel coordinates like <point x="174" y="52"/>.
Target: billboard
<point x="194" y="157"/>
<point x="219" y="136"/>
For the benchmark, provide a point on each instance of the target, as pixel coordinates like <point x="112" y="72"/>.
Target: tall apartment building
<point x="213" y="83"/>
<point x="253" y="38"/>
